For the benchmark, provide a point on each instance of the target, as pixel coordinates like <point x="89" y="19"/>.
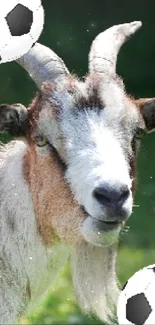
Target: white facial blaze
<point x="95" y="158"/>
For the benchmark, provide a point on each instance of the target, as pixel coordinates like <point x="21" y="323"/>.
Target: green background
<point x="70" y="27"/>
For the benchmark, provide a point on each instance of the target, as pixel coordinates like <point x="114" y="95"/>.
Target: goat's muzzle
<point x="104" y="230"/>
<point x="111" y="198"/>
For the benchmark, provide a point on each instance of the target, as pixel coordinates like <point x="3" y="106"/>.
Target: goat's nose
<point x="111" y="197"/>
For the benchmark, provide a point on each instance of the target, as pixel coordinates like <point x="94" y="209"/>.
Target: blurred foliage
<point x="70" y="27"/>
<point x="60" y="306"/>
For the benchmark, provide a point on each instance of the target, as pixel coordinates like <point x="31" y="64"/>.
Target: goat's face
<point x="95" y="131"/>
<point x="94" y="128"/>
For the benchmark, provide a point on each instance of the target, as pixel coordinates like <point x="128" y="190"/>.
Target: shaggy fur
<point x="68" y="181"/>
<point x="38" y="211"/>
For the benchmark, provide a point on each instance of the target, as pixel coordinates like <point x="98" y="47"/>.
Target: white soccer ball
<point x="136" y="304"/>
<point x="21" y="24"/>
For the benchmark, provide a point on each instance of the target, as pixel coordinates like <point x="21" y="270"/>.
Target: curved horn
<point x="105" y="47"/>
<point x="42" y="64"/>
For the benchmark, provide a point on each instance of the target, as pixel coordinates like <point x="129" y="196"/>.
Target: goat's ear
<point x="147" y="109"/>
<point x="13" y="119"/>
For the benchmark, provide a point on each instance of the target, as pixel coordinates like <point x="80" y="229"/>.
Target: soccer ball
<point x="136" y="304"/>
<point x="21" y="23"/>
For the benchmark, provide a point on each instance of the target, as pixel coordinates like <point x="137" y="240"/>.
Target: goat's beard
<point x="94" y="278"/>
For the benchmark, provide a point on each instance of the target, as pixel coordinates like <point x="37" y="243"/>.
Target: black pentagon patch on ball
<point x="138" y="309"/>
<point x="19" y="20"/>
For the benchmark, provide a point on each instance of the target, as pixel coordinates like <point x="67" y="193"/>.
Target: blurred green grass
<point x="60" y="306"/>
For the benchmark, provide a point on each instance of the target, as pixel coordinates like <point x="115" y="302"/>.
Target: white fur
<point x="96" y="146"/>
<point x="95" y="280"/>
<point x="23" y="256"/>
<point x="96" y="157"/>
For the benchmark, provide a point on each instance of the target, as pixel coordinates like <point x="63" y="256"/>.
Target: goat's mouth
<point x="106" y="224"/>
<point x="100" y="232"/>
<point x="109" y="225"/>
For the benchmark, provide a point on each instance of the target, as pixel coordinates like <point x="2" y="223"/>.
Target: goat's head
<point x="93" y="126"/>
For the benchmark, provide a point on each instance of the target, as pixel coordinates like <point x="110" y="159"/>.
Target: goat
<point x="68" y="178"/>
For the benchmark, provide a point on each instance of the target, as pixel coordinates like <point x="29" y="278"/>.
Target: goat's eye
<point x="139" y="133"/>
<point x="40" y="141"/>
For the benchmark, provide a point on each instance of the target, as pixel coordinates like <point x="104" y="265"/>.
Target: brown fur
<point x="33" y="112"/>
<point x="56" y="211"/>
<point x="90" y="100"/>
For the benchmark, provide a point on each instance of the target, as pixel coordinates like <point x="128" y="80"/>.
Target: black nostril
<point x="110" y="196"/>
